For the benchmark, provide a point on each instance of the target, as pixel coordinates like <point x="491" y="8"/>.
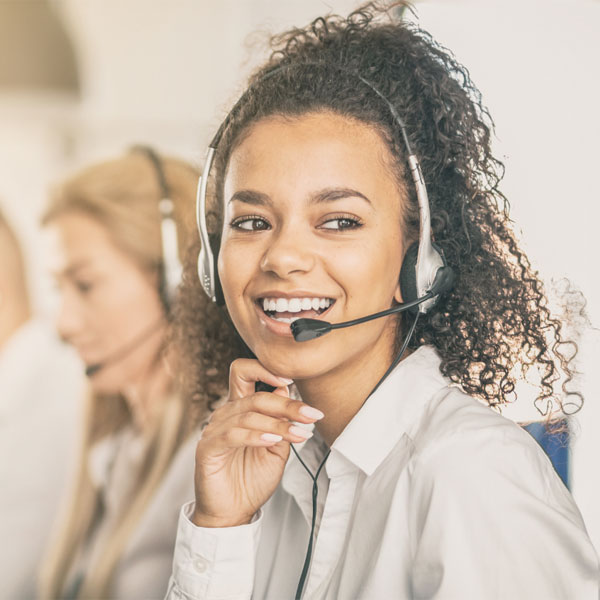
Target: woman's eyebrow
<point x="322" y="196"/>
<point x="332" y="194"/>
<point x="250" y="197"/>
<point x="72" y="269"/>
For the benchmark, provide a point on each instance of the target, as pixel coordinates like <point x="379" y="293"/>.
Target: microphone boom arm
<point x="309" y="329"/>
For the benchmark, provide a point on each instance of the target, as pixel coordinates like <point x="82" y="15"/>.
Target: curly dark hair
<point x="494" y="326"/>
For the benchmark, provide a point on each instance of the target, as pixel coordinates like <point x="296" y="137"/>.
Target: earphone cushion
<point x="408" y="274"/>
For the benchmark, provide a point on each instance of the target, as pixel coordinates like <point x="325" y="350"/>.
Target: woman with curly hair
<point x="403" y="483"/>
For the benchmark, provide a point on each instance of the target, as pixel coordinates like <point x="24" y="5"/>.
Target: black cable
<point x="399" y="356"/>
<point x="315" y="488"/>
<point x="315" y="493"/>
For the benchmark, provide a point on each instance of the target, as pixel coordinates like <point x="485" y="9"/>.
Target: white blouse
<point x="142" y="571"/>
<point x="427" y="494"/>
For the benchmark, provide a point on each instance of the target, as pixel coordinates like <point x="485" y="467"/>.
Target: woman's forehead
<point x="325" y="147"/>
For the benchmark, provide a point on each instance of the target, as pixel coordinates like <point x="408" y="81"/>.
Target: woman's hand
<point x="244" y="448"/>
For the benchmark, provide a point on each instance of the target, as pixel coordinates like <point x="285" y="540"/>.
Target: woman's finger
<point x="271" y="427"/>
<point x="244" y="373"/>
<point x="270" y="404"/>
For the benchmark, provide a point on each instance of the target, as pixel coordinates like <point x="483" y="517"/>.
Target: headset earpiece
<point x="428" y="272"/>
<point x="215" y="243"/>
<point x="208" y="271"/>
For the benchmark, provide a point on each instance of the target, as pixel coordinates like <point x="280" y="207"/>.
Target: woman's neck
<point x="146" y="396"/>
<point x="340" y="393"/>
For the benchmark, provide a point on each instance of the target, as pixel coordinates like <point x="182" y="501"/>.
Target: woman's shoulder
<point x="457" y="423"/>
<point x="463" y="444"/>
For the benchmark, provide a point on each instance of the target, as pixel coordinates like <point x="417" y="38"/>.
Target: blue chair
<point x="554" y="439"/>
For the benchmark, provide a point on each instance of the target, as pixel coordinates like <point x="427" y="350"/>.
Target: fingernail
<point x="286" y="381"/>
<point x="270" y="437"/>
<point x="311" y="413"/>
<point x="300" y="432"/>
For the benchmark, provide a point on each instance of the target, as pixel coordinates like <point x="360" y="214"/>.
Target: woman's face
<point x="312" y="228"/>
<point x="107" y="302"/>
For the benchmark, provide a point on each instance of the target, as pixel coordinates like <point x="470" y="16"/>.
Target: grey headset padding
<point x="408" y="276"/>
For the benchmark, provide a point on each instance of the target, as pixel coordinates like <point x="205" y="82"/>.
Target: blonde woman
<point x="116" y="230"/>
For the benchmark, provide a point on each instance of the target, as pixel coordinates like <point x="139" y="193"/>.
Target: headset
<point x="171" y="268"/>
<point x="424" y="274"/>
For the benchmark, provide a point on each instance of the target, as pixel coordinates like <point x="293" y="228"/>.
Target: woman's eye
<point x="341" y="223"/>
<point x="83" y="287"/>
<point x="252" y="223"/>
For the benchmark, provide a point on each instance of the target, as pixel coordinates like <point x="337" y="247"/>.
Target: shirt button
<point x="200" y="564"/>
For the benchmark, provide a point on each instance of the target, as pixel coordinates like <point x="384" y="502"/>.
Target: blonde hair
<point x="124" y="196"/>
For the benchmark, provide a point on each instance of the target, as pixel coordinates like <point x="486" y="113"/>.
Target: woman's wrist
<point x="203" y="520"/>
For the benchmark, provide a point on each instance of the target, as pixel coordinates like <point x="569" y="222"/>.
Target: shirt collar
<point x="376" y="428"/>
<point x="391" y="411"/>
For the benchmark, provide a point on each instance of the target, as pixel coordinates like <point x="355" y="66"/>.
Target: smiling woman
<point x="407" y="485"/>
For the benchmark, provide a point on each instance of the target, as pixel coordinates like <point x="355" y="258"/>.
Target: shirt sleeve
<point x="491" y="519"/>
<point x="213" y="563"/>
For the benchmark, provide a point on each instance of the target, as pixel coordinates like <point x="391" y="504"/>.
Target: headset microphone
<point x="309" y="329"/>
<point x="124" y="350"/>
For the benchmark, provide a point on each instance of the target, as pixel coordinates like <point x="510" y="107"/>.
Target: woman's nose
<point x="68" y="319"/>
<point x="288" y="253"/>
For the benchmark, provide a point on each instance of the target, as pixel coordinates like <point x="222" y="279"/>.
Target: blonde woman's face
<point x="110" y="308"/>
<point x="312" y="228"/>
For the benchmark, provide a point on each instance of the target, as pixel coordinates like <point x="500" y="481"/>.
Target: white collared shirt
<point x="427" y="494"/>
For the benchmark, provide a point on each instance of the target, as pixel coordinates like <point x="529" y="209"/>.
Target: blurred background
<point x="82" y="80"/>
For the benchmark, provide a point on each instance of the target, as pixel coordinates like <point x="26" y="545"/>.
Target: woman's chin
<point x="293" y="367"/>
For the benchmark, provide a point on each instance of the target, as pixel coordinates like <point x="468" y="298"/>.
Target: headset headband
<point x="428" y="258"/>
<point x="171" y="265"/>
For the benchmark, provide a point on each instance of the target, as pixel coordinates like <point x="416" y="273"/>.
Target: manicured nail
<point x="286" y="381"/>
<point x="311" y="413"/>
<point x="270" y="437"/>
<point x="300" y="432"/>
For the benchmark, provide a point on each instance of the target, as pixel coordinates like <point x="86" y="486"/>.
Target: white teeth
<point x="295" y="305"/>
